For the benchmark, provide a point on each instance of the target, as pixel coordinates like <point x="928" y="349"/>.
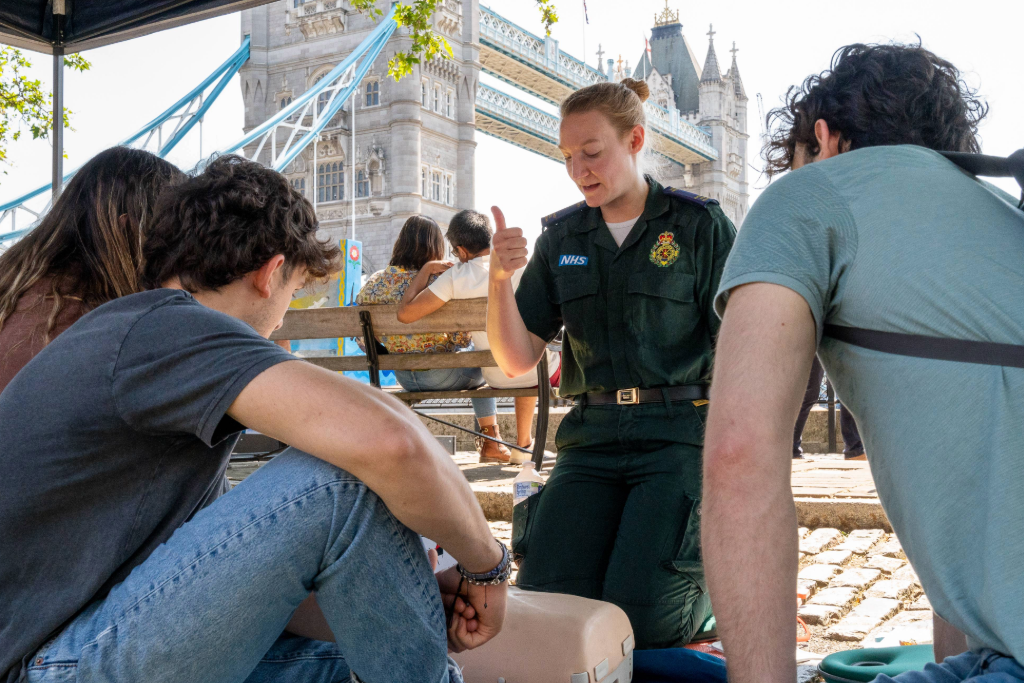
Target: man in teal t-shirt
<point x="887" y="236"/>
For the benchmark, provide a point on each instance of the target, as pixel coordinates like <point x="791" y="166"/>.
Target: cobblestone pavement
<point x="856" y="590"/>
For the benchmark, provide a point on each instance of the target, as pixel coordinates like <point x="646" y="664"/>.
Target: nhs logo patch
<point x="570" y="260"/>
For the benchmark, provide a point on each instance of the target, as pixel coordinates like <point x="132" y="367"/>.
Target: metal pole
<point x="352" y="164"/>
<point x="58" y="98"/>
<point x="830" y="393"/>
<point x="315" y="170"/>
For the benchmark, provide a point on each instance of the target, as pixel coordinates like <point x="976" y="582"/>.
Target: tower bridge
<point x="320" y="109"/>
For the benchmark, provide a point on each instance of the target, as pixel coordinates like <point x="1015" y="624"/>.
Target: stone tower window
<point x="323" y="98"/>
<point x="449" y="195"/>
<point x="424" y="89"/>
<point x="423" y="181"/>
<point x="449" y="103"/>
<point x="362" y="184"/>
<point x="330" y="181"/>
<point x="300" y="185"/>
<point x="435" y="186"/>
<point x="372" y="94"/>
<point x="437" y="99"/>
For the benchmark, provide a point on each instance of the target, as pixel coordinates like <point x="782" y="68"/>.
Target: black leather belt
<point x="630" y="397"/>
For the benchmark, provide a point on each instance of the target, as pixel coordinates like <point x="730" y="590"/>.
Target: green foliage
<point x="24" y="103"/>
<point x="548" y="15"/>
<point x="427" y="43"/>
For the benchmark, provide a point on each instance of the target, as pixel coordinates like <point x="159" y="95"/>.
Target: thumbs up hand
<point x="508" y="248"/>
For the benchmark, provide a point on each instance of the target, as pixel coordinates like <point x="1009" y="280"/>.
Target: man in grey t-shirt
<point x="879" y="232"/>
<point x="120" y="560"/>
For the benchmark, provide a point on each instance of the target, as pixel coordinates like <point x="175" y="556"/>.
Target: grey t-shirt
<point x="899" y="239"/>
<point x="110" y="439"/>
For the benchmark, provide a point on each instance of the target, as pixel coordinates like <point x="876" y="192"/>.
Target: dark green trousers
<point x="619" y="519"/>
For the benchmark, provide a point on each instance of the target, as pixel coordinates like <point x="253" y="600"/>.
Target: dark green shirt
<point x="639" y="315"/>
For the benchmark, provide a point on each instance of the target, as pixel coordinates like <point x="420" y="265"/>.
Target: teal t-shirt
<point x="899" y="239"/>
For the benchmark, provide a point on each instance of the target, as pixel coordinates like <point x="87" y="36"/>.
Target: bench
<point x="369" y="322"/>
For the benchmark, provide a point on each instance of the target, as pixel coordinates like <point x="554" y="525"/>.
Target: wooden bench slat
<point x="463" y="315"/>
<point x="408" y="361"/>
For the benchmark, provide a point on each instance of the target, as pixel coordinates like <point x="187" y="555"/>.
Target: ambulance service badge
<point x="666" y="251"/>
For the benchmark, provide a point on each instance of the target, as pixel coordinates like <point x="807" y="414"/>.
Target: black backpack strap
<point x="992" y="167"/>
<point x="936" y="348"/>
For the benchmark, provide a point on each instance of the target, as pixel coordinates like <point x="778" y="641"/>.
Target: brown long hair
<point x="419" y="241"/>
<point x="90" y="242"/>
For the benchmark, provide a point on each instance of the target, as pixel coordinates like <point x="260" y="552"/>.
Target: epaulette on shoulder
<point x="698" y="199"/>
<point x="559" y="215"/>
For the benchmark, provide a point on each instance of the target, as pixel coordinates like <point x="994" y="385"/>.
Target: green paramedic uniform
<point x="619" y="519"/>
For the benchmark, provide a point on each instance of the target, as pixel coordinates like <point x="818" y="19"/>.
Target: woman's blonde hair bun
<point x="639" y="87"/>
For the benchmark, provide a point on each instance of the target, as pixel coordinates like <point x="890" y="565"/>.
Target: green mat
<point x="861" y="666"/>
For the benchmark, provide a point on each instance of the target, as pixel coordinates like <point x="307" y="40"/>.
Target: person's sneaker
<point x="862" y="456"/>
<point x="519" y="457"/>
<point x="491" y="451"/>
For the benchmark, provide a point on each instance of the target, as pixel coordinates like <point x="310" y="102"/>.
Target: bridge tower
<point x="707" y="98"/>
<point x="413" y="139"/>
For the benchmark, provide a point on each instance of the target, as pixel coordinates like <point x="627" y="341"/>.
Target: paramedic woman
<point x="630" y="272"/>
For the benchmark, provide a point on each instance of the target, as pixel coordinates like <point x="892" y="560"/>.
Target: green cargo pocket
<point x="689" y="560"/>
<point x="523" y="516"/>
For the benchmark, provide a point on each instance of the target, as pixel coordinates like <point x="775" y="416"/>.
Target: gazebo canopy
<point x="30" y="24"/>
<point x="59" y="27"/>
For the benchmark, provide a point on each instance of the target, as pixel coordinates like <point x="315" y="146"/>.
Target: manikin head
<point x="874" y="95"/>
<point x="602" y="137"/>
<point x="469" y="233"/>
<point x="240" y="239"/>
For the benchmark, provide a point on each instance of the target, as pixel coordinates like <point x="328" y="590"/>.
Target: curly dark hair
<point x="877" y="95"/>
<point x="230" y="220"/>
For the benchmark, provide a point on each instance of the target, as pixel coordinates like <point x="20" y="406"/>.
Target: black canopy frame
<point x="59" y="27"/>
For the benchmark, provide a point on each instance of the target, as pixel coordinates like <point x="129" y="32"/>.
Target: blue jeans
<point x="210" y="605"/>
<point x="984" y="666"/>
<point x="449" y="379"/>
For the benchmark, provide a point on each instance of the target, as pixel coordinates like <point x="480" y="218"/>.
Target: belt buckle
<point x="627" y="397"/>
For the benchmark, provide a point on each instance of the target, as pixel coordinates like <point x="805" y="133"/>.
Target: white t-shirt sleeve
<point x="444" y="286"/>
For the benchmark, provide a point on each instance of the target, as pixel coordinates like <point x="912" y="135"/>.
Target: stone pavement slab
<point x="819" y="615"/>
<point x="864" y="617"/>
<point x="860" y="540"/>
<point x="837" y="597"/>
<point x="855" y="578"/>
<point x="921" y="603"/>
<point x="889" y="588"/>
<point x="820" y="539"/>
<point x="890" y="548"/>
<point x="827" y="492"/>
<point x="836" y="557"/>
<point x="819" y="573"/>
<point x="906" y="628"/>
<point x="886" y="564"/>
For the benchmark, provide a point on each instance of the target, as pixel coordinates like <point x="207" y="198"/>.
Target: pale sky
<point x="779" y="42"/>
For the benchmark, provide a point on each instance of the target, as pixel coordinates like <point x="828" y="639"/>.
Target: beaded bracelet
<point x="494" y="577"/>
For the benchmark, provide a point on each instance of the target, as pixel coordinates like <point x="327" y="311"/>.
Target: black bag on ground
<point x="940" y="348"/>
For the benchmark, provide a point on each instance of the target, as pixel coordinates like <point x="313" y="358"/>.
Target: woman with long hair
<point x="85" y="251"/>
<point x="631" y="273"/>
<point x="418" y="255"/>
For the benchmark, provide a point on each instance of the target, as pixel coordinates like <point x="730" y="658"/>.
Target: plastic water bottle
<point x="527" y="483"/>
